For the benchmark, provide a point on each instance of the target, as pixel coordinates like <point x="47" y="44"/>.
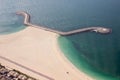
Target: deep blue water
<point x="102" y="52"/>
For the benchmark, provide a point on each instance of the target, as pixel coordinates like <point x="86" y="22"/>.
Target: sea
<point x="95" y="54"/>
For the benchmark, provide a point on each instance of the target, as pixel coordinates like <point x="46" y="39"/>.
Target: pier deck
<point x="101" y="30"/>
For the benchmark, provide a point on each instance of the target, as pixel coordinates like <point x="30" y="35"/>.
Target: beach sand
<point x="36" y="52"/>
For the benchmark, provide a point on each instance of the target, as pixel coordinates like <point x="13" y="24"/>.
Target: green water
<point x="80" y="61"/>
<point x="102" y="52"/>
<point x="10" y="31"/>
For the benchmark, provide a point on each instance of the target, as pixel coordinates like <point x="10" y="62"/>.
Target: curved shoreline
<point x="101" y="30"/>
<point x="80" y="65"/>
<point x="31" y="49"/>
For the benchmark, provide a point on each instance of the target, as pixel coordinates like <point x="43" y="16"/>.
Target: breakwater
<point x="101" y="30"/>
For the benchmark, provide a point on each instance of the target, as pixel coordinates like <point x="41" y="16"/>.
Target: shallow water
<point x="81" y="62"/>
<point x="99" y="51"/>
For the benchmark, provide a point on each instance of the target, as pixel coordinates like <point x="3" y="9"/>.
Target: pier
<point x="101" y="30"/>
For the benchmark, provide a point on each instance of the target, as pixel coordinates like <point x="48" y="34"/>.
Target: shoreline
<point x="69" y="63"/>
<point x="28" y="48"/>
<point x="79" y="63"/>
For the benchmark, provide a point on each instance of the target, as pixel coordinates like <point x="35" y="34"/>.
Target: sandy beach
<point x="36" y="52"/>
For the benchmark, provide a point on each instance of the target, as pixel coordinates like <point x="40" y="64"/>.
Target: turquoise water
<point x="102" y="52"/>
<point x="81" y="62"/>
